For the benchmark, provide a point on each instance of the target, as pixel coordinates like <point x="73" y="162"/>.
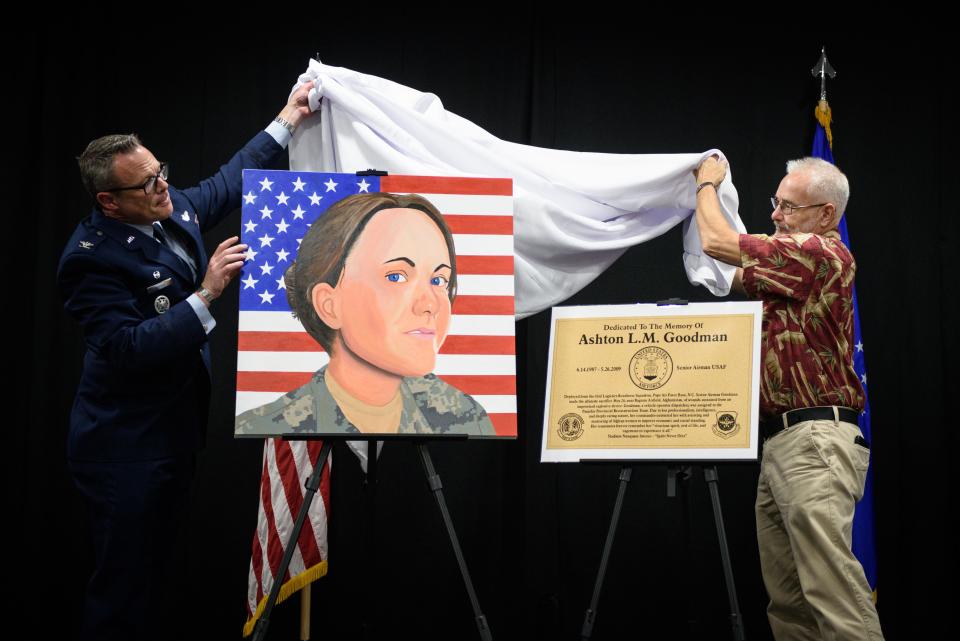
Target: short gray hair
<point x="827" y="183"/>
<point x="96" y="161"/>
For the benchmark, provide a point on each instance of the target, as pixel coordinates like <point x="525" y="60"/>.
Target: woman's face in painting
<point x="391" y="305"/>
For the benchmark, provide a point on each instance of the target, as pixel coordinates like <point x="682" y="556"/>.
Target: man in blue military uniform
<point x="136" y="277"/>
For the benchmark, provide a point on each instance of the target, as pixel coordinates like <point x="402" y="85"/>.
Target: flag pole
<point x="305" y="613"/>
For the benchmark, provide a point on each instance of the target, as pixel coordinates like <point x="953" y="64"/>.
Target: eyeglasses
<point x="789" y="208"/>
<point x="150" y="185"/>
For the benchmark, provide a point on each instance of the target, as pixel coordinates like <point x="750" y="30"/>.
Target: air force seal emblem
<point x="726" y="425"/>
<point x="651" y="368"/>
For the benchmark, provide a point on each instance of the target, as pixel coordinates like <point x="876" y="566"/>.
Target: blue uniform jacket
<point x="144" y="391"/>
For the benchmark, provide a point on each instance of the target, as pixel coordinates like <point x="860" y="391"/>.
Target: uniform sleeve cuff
<point x="279" y="133"/>
<point x="203" y="313"/>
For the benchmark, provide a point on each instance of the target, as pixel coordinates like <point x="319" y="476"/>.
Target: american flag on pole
<point x="276" y="355"/>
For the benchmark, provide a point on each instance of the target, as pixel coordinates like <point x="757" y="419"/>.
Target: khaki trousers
<point x="811" y="477"/>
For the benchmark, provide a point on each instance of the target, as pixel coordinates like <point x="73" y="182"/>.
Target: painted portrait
<point x="373" y="285"/>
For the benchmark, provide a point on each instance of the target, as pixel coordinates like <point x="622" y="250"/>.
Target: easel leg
<point x="433" y="480"/>
<point x="591" y="614"/>
<point x="313" y="485"/>
<point x="710" y="474"/>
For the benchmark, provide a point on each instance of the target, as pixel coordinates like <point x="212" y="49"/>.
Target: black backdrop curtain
<point x="532" y="534"/>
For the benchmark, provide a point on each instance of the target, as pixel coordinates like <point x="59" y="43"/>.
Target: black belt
<point x="776" y="424"/>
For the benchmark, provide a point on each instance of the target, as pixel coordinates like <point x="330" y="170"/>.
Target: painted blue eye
<point x="396" y="277"/>
<point x="439" y="281"/>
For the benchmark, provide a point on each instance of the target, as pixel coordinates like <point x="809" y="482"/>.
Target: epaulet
<point x="87" y="240"/>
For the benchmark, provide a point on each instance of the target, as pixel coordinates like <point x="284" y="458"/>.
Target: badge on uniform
<point x="186" y="217"/>
<point x="156" y="275"/>
<point x="158" y="286"/>
<point x="86" y="244"/>
<point x="161" y="304"/>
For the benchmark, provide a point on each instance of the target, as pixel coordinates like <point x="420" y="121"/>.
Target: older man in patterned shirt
<point x="814" y="456"/>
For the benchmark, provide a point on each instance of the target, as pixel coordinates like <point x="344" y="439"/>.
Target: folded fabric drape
<point x="575" y="213"/>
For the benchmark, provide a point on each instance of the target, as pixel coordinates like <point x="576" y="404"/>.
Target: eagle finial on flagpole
<point x="822" y="111"/>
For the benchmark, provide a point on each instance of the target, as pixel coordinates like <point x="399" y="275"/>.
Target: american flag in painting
<point x="275" y="354"/>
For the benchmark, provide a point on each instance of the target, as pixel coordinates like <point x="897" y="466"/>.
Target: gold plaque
<point x="677" y="383"/>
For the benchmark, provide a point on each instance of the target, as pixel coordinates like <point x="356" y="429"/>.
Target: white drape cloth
<point x="574" y="212"/>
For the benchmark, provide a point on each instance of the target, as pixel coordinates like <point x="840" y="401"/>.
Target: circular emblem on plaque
<point x="570" y="427"/>
<point x="726" y="425"/>
<point x="161" y="304"/>
<point x="651" y="368"/>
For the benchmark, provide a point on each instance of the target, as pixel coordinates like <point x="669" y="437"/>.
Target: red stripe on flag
<point x="460" y="224"/>
<point x="271" y="381"/>
<point x="274" y="544"/>
<point x="483" y="305"/>
<point x="478" y="345"/>
<point x="256" y="560"/>
<point x="289" y="474"/>
<point x="448" y="185"/>
<point x="482" y="265"/>
<point x="504" y="424"/>
<point x="478" y="385"/>
<point x="314" y="448"/>
<point x="277" y="342"/>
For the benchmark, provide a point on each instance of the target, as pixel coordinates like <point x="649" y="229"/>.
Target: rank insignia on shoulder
<point x="130" y="239"/>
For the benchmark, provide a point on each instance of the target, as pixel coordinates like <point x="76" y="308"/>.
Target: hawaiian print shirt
<point x="806" y="284"/>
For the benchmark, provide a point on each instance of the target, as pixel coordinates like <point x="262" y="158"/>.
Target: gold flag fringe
<point x="288" y="589"/>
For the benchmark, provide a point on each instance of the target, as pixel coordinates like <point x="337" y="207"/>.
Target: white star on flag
<point x="266" y="297"/>
<point x="298" y="213"/>
<point x="249" y="282"/>
<point x="282" y="226"/>
<point x="364" y="185"/>
<point x="315" y="199"/>
<point x="859" y="346"/>
<point x="265" y="241"/>
<point x="282" y="255"/>
<point x="249" y="197"/>
<point x="265" y="184"/>
<point x="281" y="284"/>
<point x="863" y="378"/>
<point x="330" y="185"/>
<point x="298" y="185"/>
<point x="282" y="199"/>
<point x="250" y="255"/>
<point x="250" y="226"/>
<point x="265" y="213"/>
<point x="265" y="269"/>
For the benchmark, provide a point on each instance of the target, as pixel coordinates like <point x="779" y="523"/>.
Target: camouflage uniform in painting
<point x="430" y="406"/>
<point x="813" y="472"/>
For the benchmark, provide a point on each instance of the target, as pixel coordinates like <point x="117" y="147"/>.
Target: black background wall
<point x="531" y="533"/>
